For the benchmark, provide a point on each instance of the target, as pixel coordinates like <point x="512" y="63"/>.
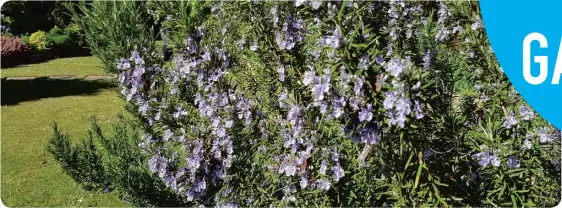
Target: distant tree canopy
<point x="30" y="16"/>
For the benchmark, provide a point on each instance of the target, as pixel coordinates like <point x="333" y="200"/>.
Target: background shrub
<point x="55" y="31"/>
<point x="57" y="38"/>
<point x="30" y="16"/>
<point x="12" y="46"/>
<point x="38" y="40"/>
<point x="25" y="39"/>
<point x="5" y="31"/>
<point x="74" y="34"/>
<point x="113" y="28"/>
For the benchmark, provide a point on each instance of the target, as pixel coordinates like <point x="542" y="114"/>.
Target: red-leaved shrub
<point x="12" y="46"/>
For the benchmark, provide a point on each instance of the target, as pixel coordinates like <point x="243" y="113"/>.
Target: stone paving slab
<point x="62" y="77"/>
<point x="20" y="78"/>
<point x="98" y="77"/>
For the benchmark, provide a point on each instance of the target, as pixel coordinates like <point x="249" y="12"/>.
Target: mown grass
<point x="29" y="175"/>
<point x="77" y="66"/>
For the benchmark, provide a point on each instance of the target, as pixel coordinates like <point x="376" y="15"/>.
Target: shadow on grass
<point x="36" y="57"/>
<point x="16" y="91"/>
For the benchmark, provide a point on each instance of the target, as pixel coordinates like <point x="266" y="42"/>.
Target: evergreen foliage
<point x="325" y="103"/>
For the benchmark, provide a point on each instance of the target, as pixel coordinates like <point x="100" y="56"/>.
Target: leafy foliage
<point x="57" y="38"/>
<point x="75" y="35"/>
<point x="31" y="16"/>
<point x="116" y="163"/>
<point x="114" y="28"/>
<point x="38" y="40"/>
<point x="12" y="46"/>
<point x="83" y="162"/>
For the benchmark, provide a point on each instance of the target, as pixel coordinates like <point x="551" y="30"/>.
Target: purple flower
<point x="199" y="32"/>
<point x="254" y="46"/>
<point x="323" y="167"/>
<point x="427" y="153"/>
<point x="324" y="184"/>
<point x="293" y="114"/>
<point x="427" y="59"/>
<point x="477" y="24"/>
<point x="418" y="110"/>
<point x="321" y="87"/>
<point x="389" y="100"/>
<point x="290" y="33"/>
<point x="290" y="170"/>
<point x="336" y="156"/>
<point x="179" y="113"/>
<point x="510" y="121"/>
<point x="544" y="135"/>
<point x="354" y="103"/>
<point x="274" y="10"/>
<point x="191" y="45"/>
<point x="168" y="134"/>
<point x="123" y="64"/>
<point x="513" y="162"/>
<point x="444" y="13"/>
<point x="304" y="182"/>
<point x="359" y="81"/>
<point x="484" y="98"/>
<point x="366" y="113"/>
<point x="403" y="106"/>
<point x="309" y="78"/>
<point x="338" y="172"/>
<point x="241" y="43"/>
<point x="395" y="67"/>
<point x="323" y="107"/>
<point x="143" y="108"/>
<point x="370" y="134"/>
<point x="400" y="119"/>
<point x="283" y="99"/>
<point x="206" y="56"/>
<point x="334" y="40"/>
<point x="393" y="34"/>
<point x="526" y="113"/>
<point x="379" y="60"/>
<point x="221" y="132"/>
<point x="337" y="110"/>
<point x="281" y="72"/>
<point x="483" y="158"/>
<point x="316" y="4"/>
<point x="228" y="124"/>
<point x="494" y="159"/>
<point x="158" y="164"/>
<point x="364" y="63"/>
<point x="528" y="144"/>
<point x="417" y="86"/>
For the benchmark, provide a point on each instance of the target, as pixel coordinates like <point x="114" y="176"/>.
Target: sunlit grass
<point x="77" y="66"/>
<point x="29" y="175"/>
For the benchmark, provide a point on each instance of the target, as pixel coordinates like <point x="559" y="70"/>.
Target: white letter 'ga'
<point x="542" y="60"/>
<point x="558" y="67"/>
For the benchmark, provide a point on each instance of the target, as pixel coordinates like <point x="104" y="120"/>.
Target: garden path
<point x="63" y="77"/>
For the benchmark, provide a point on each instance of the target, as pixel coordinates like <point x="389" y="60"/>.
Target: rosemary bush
<point x="329" y="103"/>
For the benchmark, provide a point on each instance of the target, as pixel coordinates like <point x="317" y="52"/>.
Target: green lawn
<point x="77" y="66"/>
<point x="29" y="175"/>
